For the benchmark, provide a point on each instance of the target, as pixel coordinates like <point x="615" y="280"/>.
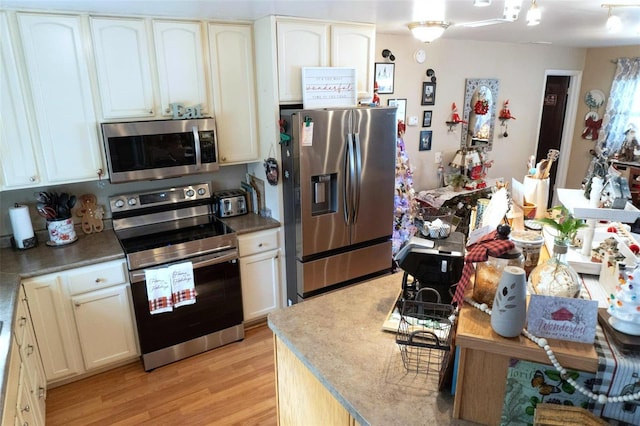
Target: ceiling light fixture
<point x="481" y="3"/>
<point x="533" y="15"/>
<point x="427" y="31"/>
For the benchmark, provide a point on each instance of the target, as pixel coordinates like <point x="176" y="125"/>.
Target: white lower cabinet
<point x="259" y="272"/>
<point x="103" y="318"/>
<point x="83" y="319"/>
<point x="25" y="388"/>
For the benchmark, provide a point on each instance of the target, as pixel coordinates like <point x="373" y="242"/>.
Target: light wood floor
<point x="233" y="384"/>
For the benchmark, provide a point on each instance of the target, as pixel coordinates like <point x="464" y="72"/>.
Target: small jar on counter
<point x="488" y="274"/>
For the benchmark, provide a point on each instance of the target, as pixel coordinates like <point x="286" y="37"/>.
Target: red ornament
<point x="634" y="248"/>
<point x="612" y="229"/>
<point x="481" y="107"/>
<point x="505" y="114"/>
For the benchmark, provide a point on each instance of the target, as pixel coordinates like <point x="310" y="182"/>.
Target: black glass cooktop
<point x="171" y="233"/>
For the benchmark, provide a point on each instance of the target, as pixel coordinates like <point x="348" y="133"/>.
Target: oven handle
<point x="198" y="262"/>
<point x="196" y="139"/>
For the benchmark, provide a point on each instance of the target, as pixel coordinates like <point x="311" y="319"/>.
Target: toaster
<point x="230" y="202"/>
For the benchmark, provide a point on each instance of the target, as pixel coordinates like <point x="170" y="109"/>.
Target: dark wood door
<point x="552" y="123"/>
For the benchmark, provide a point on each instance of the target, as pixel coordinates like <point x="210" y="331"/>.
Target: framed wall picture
<point x="425" y="140"/>
<point x="384" y="77"/>
<point x="426" y="118"/>
<point x="428" y="93"/>
<point x="401" y="113"/>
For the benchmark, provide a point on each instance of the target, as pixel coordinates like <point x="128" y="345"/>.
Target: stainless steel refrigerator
<point x="338" y="169"/>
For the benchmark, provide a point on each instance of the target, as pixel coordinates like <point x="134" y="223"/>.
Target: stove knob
<point x="201" y="191"/>
<point x="190" y="193"/>
<point x="119" y="203"/>
<point x="132" y="201"/>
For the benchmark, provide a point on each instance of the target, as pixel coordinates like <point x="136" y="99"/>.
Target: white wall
<point x="520" y="70"/>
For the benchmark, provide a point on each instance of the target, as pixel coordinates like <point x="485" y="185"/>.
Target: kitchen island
<point x="336" y="365"/>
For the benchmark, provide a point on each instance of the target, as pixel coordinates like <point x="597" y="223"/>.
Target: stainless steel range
<point x="176" y="226"/>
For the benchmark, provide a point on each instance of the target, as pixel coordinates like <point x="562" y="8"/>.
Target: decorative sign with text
<point x="563" y="318"/>
<point x="327" y="87"/>
<point x="181" y="112"/>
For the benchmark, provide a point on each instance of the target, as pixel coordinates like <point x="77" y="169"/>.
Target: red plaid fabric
<point x="159" y="303"/>
<point x="182" y="295"/>
<point x="479" y="252"/>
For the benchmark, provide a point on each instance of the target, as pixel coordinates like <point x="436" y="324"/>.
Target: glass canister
<point x="530" y="243"/>
<point x="488" y="274"/>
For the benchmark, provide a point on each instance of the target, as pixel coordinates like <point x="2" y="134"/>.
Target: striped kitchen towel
<point x="182" y="284"/>
<point x="158" y="283"/>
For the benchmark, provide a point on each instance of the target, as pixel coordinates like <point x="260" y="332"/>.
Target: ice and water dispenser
<point x="323" y="189"/>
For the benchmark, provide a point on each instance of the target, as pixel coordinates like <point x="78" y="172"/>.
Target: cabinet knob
<point x="260" y="245"/>
<point x="29" y="350"/>
<point x="98" y="280"/>
<point x="223" y="158"/>
<point x="23" y="321"/>
<point x="26" y="408"/>
<point x="41" y="392"/>
<point x="33" y="179"/>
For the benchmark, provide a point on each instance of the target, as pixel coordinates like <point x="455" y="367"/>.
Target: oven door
<point x="218" y="304"/>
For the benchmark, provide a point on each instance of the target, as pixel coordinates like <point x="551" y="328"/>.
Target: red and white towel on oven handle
<point x="158" y="283"/>
<point x="182" y="284"/>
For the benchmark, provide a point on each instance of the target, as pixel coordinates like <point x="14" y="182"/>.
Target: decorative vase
<point x="555" y="277"/>
<point x="509" y="311"/>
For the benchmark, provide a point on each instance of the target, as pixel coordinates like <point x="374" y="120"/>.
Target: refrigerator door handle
<point x="357" y="177"/>
<point x="348" y="181"/>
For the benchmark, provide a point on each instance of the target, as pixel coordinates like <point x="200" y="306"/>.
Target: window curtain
<point x="616" y="117"/>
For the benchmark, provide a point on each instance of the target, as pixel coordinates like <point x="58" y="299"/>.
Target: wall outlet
<point x="413" y="121"/>
<point x="438" y="157"/>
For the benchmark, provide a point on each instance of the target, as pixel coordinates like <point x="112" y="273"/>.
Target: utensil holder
<point x="61" y="232"/>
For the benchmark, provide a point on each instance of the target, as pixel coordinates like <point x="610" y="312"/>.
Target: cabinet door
<point x="180" y="61"/>
<point x="53" y="327"/>
<point x="17" y="156"/>
<point x="234" y="93"/>
<point x="300" y="44"/>
<point x="353" y="46"/>
<point x="124" y="71"/>
<point x="62" y="98"/>
<point x="260" y="275"/>
<point x="11" y="385"/>
<point x="105" y="326"/>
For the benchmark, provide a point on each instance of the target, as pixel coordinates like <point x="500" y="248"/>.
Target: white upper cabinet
<point x="304" y="43"/>
<point x="353" y="46"/>
<point x="123" y="66"/>
<point x="58" y="77"/>
<point x="180" y="61"/>
<point x="234" y="93"/>
<point x="17" y="155"/>
<point x="300" y="44"/>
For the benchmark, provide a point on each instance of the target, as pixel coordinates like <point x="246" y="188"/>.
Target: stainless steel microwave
<point x="148" y="150"/>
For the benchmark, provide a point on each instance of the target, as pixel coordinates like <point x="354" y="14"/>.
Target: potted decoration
<point x="457" y="181"/>
<point x="556" y="277"/>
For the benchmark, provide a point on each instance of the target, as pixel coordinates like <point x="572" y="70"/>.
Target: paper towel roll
<point x="21" y="224"/>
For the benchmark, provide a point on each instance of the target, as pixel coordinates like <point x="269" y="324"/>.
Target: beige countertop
<point x="87" y="250"/>
<point x="339" y="338"/>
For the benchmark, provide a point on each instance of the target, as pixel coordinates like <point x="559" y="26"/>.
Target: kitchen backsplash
<point x="226" y="178"/>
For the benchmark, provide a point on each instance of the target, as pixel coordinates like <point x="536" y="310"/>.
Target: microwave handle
<point x="196" y="139"/>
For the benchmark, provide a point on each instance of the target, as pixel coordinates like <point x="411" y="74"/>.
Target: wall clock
<point x="420" y="56"/>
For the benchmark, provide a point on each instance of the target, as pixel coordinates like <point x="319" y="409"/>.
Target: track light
<point x="614" y="23"/>
<point x="533" y="15"/>
<point x="512" y="9"/>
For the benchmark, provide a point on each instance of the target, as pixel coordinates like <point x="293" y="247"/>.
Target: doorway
<point x="557" y="121"/>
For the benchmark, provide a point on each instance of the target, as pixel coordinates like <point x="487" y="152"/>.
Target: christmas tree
<point x="404" y="200"/>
